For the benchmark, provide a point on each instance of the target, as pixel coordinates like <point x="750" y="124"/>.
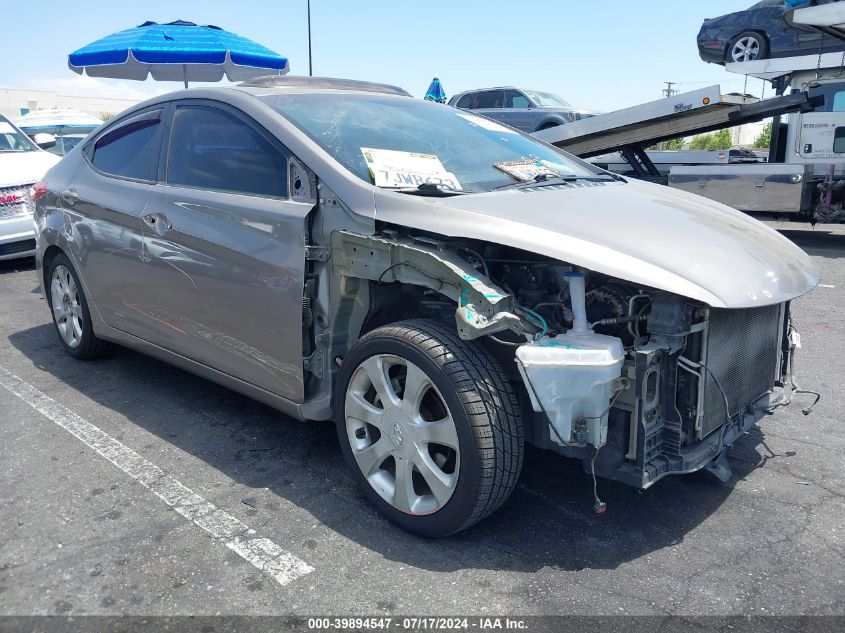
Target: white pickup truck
<point x="22" y="163"/>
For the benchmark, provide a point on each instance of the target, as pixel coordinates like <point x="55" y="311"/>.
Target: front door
<point x="517" y="112"/>
<point x="489" y="103"/>
<point x="226" y="250"/>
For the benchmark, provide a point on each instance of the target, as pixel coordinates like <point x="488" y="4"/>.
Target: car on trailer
<point x="759" y="32"/>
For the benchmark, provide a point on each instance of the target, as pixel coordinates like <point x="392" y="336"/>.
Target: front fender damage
<point x="482" y="306"/>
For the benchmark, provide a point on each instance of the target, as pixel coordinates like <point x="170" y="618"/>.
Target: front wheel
<point x="429" y="425"/>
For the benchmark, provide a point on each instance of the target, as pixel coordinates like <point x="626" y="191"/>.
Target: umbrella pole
<point x="185" y="73"/>
<point x="310" y="70"/>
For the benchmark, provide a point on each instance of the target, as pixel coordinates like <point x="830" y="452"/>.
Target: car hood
<point x="643" y="233"/>
<point x="24" y="168"/>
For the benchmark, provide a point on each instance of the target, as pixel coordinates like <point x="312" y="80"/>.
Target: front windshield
<point x="12" y="139"/>
<point x="547" y="99"/>
<point x="382" y="139"/>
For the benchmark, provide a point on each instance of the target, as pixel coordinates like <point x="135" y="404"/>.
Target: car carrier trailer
<point x="804" y="176"/>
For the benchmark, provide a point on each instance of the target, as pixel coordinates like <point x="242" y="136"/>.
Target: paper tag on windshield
<point x="392" y="168"/>
<point x="525" y="170"/>
<point x="6" y="128"/>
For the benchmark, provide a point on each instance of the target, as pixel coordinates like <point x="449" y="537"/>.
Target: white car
<point x="23" y="162"/>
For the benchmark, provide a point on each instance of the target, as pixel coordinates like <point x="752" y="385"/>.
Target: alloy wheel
<point x="402" y="434"/>
<point x="745" y="49"/>
<point x="67" y="311"/>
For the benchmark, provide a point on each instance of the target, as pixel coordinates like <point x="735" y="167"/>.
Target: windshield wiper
<point x="430" y="189"/>
<point x="548" y="179"/>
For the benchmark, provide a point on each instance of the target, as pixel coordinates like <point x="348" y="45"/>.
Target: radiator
<point x="742" y="351"/>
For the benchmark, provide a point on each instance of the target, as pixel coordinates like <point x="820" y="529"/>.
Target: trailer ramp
<point x="632" y="129"/>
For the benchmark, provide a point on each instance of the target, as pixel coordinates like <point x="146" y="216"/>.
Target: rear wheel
<point x="429" y="425"/>
<point x="747" y="47"/>
<point x="70" y="311"/>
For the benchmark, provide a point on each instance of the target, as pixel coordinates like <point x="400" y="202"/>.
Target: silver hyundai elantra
<point x="444" y="287"/>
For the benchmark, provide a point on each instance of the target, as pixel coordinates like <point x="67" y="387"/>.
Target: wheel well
<point x="392" y="303"/>
<point x="47" y="259"/>
<point x="546" y="125"/>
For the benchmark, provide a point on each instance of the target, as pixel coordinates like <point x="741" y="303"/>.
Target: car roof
<point x="264" y="86"/>
<point x="271" y="84"/>
<point x="490" y="88"/>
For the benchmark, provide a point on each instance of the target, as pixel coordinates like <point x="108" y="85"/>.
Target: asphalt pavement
<point x="130" y="487"/>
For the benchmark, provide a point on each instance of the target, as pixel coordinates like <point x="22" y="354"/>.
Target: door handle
<point x="158" y="222"/>
<point x="70" y="196"/>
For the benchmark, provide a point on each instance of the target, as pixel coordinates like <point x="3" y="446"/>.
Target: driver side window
<point x="515" y="99"/>
<point x="213" y="149"/>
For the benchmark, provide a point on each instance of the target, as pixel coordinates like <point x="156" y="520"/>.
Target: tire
<point x="69" y="308"/>
<point x="457" y="474"/>
<point x="746" y="47"/>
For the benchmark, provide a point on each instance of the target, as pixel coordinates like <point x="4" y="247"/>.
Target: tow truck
<point x="803" y="176"/>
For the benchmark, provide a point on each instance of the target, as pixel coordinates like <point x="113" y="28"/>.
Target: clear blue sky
<point x="603" y="54"/>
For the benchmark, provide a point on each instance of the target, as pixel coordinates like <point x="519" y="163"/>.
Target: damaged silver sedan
<point x="444" y="287"/>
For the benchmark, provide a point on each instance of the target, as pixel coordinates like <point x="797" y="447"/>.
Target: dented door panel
<point x="225" y="281"/>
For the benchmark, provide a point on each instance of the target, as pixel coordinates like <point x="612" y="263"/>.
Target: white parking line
<point x="263" y="553"/>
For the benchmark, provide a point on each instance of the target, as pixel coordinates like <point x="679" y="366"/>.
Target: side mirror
<point x="44" y="141"/>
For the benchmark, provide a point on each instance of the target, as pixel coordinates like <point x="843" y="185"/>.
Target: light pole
<point x="310" y="71"/>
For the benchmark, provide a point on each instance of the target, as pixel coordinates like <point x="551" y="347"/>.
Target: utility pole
<point x="668" y="91"/>
<point x="310" y="70"/>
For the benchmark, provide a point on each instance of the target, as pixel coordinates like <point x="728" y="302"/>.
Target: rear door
<point x="226" y="249"/>
<point x="104" y="200"/>
<point x="490" y="104"/>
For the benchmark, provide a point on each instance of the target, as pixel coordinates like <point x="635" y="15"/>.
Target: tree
<point x="715" y="140"/>
<point x="675" y="143"/>
<point x="764" y="140"/>
<point x="105" y="116"/>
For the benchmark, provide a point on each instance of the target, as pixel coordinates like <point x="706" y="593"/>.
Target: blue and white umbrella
<point x="435" y="92"/>
<point x="177" y="51"/>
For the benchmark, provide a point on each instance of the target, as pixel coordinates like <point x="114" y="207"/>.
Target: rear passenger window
<point x="131" y="150"/>
<point x="490" y="99"/>
<point x="212" y="149"/>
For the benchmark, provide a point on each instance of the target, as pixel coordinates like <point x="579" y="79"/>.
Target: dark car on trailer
<point x="759" y="32"/>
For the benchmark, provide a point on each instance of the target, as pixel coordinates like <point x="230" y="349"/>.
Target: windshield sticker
<point x="525" y="170"/>
<point x="395" y="169"/>
<point x="6" y="128"/>
<point x="485" y="123"/>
